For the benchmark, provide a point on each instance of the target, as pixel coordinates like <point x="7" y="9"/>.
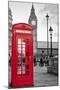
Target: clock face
<point x="33" y="22"/>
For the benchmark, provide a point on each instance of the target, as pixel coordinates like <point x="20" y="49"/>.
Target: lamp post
<point x="51" y="40"/>
<point x="47" y="17"/>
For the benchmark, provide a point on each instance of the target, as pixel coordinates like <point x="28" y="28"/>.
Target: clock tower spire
<point x="33" y="22"/>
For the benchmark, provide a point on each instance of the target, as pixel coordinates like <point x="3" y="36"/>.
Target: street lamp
<point x="47" y="17"/>
<point x="51" y="40"/>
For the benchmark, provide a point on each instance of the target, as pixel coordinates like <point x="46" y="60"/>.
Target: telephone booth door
<point x="22" y="57"/>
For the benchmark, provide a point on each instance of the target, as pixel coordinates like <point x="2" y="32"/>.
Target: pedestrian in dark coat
<point x="41" y="62"/>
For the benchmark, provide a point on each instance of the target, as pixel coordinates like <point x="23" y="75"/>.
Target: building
<point x="10" y="30"/>
<point x="10" y="42"/>
<point x="42" y="46"/>
<point x="33" y="22"/>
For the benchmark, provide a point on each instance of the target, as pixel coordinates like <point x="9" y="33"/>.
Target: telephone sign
<point x="22" y="55"/>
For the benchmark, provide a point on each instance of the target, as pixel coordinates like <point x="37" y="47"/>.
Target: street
<point x="42" y="78"/>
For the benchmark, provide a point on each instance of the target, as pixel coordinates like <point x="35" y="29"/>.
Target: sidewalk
<point x="42" y="78"/>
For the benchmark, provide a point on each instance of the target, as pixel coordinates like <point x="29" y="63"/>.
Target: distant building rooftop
<point x="43" y="44"/>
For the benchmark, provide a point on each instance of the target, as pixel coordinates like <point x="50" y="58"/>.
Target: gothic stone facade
<point x="33" y="22"/>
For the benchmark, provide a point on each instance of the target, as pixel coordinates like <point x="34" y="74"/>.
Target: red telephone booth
<point x="22" y="55"/>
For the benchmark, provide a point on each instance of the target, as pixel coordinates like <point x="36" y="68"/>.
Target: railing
<point x="53" y="65"/>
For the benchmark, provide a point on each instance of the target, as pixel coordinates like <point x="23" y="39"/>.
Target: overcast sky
<point x="21" y="12"/>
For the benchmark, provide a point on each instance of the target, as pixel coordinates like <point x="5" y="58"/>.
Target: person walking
<point x="34" y="61"/>
<point x="41" y="62"/>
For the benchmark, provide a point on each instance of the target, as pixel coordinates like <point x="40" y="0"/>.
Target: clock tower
<point x="33" y="22"/>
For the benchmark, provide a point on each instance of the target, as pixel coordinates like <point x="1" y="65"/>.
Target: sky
<point x="21" y="12"/>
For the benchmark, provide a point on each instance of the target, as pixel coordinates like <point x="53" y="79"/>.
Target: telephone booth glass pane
<point x="21" y="57"/>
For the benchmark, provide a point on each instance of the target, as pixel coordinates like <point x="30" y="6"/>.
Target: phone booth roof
<point x="22" y="26"/>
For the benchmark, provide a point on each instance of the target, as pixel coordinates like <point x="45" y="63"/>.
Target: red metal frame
<point x="22" y="32"/>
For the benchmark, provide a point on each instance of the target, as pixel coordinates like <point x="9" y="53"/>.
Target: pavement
<point x="42" y="78"/>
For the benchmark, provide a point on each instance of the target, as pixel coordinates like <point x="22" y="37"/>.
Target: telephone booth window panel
<point x="22" y="55"/>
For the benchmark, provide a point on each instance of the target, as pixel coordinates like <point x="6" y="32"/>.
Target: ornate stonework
<point x="33" y="21"/>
